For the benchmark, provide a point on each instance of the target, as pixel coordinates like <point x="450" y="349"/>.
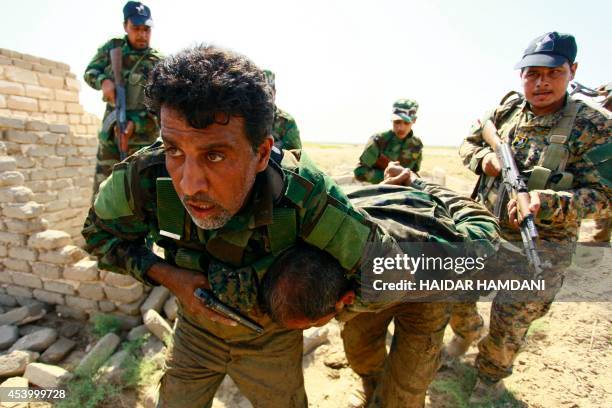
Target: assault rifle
<point x="211" y="301"/>
<point x="515" y="185"/>
<point x="120" y="102"/>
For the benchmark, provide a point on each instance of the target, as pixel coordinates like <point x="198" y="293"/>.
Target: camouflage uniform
<point x="136" y="65"/>
<point x="402" y="378"/>
<point x="603" y="226"/>
<point x="290" y="201"/>
<point x="385" y="147"/>
<point x="285" y="131"/>
<point x="557" y="221"/>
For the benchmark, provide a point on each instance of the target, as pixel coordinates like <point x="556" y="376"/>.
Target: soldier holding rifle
<point x="120" y="69"/>
<point x="562" y="149"/>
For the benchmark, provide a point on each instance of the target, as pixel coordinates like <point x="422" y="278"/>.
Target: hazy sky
<point x="340" y="64"/>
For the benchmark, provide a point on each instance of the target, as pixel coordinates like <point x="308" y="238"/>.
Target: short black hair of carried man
<point x="304" y="282"/>
<point x="208" y="84"/>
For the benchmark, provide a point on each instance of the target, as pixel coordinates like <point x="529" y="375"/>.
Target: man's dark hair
<point x="304" y="282"/>
<point x="207" y="84"/>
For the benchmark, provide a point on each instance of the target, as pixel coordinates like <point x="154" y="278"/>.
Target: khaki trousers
<point x="404" y="375"/>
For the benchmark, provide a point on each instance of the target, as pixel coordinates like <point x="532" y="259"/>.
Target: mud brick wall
<point x="52" y="139"/>
<point x="38" y="88"/>
<point x="55" y="165"/>
<point x="47" y="157"/>
<point x="42" y="263"/>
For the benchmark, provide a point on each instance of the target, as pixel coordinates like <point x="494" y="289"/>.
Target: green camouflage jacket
<point x="427" y="219"/>
<point x="590" y="153"/>
<point x="136" y="65"/>
<point x="385" y="147"/>
<point x="285" y="131"/>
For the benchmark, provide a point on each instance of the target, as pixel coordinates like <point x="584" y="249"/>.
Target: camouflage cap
<point x="405" y="109"/>
<point x="270" y="78"/>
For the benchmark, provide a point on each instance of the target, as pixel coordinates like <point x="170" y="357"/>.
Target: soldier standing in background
<point x="561" y="146"/>
<point x="137" y="61"/>
<point x="284" y="129"/>
<point x="399" y="144"/>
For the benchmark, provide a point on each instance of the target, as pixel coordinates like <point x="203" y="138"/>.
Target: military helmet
<point x="405" y="109"/>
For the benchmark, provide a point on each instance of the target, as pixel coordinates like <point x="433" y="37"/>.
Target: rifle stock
<point x="120" y="101"/>
<point x="515" y="184"/>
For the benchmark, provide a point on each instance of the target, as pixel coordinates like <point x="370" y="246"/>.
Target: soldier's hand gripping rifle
<point x="210" y="300"/>
<point x="120" y="102"/>
<point x="515" y="184"/>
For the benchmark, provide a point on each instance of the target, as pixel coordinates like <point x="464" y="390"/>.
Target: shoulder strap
<point x="556" y="155"/>
<point x="507" y="107"/>
<point x="170" y="210"/>
<point x="507" y="96"/>
<point x="298" y="188"/>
